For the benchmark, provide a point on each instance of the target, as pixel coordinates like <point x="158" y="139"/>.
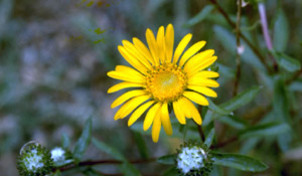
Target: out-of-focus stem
<point x="99" y="162"/>
<point x="262" y="13"/>
<point x="267" y="38"/>
<point x="254" y="49"/>
<point x="239" y="48"/>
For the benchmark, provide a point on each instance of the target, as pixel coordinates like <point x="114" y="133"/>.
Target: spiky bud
<point x="61" y="156"/>
<point x="34" y="160"/>
<point x="194" y="160"/>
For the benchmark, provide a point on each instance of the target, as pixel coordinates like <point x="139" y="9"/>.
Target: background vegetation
<point x="55" y="55"/>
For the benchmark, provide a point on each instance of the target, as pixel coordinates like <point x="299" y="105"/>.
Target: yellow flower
<point x="160" y="78"/>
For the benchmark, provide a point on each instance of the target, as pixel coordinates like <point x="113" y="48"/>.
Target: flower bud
<point x="193" y="159"/>
<point x="60" y="156"/>
<point x="34" y="160"/>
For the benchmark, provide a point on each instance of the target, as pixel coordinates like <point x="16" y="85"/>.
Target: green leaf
<point x="280" y="31"/>
<point x="228" y="41"/>
<point x="167" y="159"/>
<point x="233" y="121"/>
<point x="127" y="168"/>
<point x="138" y="127"/>
<point x="141" y="144"/>
<point x="171" y="172"/>
<point x="200" y="16"/>
<point x="83" y="141"/>
<point x="108" y="149"/>
<point x="65" y="141"/>
<point x="241" y="99"/>
<point x="268" y="129"/>
<point x="241" y="162"/>
<point x="209" y="138"/>
<point x="217" y="108"/>
<point x="296" y="86"/>
<point x="286" y="62"/>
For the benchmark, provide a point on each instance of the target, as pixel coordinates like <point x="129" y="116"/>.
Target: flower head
<point x="60" y="156"/>
<point x="34" y="160"/>
<point x="194" y="160"/>
<point x="161" y="78"/>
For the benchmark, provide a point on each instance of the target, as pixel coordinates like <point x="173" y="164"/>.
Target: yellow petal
<point x="123" y="85"/>
<point x="204" y="90"/>
<point x="203" y="82"/>
<point x="156" y="128"/>
<point x="152" y="113"/>
<point x="182" y="103"/>
<point x="160" y="39"/>
<point x="138" y="112"/>
<point x="165" y="119"/>
<point x="152" y="46"/>
<point x="196" y="97"/>
<point x="197" y="60"/>
<point x="190" y="52"/>
<point x="202" y="65"/>
<point x="126" y="96"/>
<point x="143" y="50"/>
<point x="129" y="106"/>
<point x="205" y="74"/>
<point x="125" y="77"/>
<point x="181" y="46"/>
<point x="135" y="53"/>
<point x="189" y="106"/>
<point x="132" y="60"/>
<point x="179" y="113"/>
<point x="169" y="42"/>
<point x="127" y="71"/>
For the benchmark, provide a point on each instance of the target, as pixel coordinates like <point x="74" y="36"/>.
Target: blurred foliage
<point x="54" y="59"/>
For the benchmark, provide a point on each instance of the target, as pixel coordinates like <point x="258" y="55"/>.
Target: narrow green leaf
<point x="217" y="108"/>
<point x="296" y="86"/>
<point x="167" y="159"/>
<point x="200" y="16"/>
<point x="286" y="62"/>
<point x="171" y="172"/>
<point x="108" y="149"/>
<point x="83" y="141"/>
<point x="228" y="41"/>
<point x="65" y="141"/>
<point x="233" y="121"/>
<point x="280" y="31"/>
<point x="268" y="129"/>
<point x="241" y="99"/>
<point x="210" y="137"/>
<point x="141" y="144"/>
<point x="241" y="162"/>
<point x="91" y="172"/>
<point x="126" y="167"/>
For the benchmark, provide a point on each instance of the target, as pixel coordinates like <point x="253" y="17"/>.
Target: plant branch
<point x="224" y="143"/>
<point x="239" y="48"/>
<point x="294" y="77"/>
<point x="254" y="49"/>
<point x="267" y="38"/>
<point x="99" y="162"/>
<point x="201" y="134"/>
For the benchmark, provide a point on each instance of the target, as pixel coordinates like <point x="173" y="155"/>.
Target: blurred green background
<point x="54" y="56"/>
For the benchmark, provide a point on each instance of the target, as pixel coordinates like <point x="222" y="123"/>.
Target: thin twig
<point x="239" y="49"/>
<point x="224" y="143"/>
<point x="254" y="49"/>
<point x="267" y="38"/>
<point x="201" y="134"/>
<point x="99" y="162"/>
<point x="294" y="77"/>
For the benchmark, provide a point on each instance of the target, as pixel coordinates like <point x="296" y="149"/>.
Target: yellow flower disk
<point x="159" y="78"/>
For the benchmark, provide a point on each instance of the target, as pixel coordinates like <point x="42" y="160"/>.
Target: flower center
<point x="166" y="82"/>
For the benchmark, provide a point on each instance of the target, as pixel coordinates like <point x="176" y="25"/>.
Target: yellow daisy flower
<point x="160" y="78"/>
